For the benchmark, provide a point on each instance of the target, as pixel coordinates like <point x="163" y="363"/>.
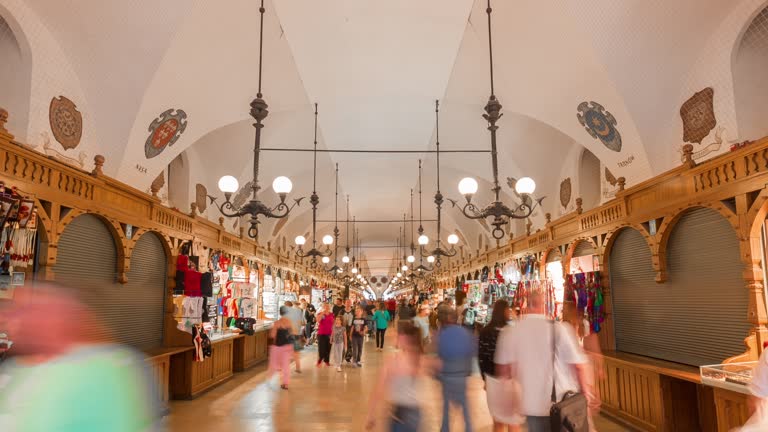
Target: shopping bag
<point x="504" y="400"/>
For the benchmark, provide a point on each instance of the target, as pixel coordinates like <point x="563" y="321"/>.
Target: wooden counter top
<point x="662" y="367"/>
<point x="165" y="351"/>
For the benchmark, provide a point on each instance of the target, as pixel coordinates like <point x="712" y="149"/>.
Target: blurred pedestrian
<point x="502" y="421"/>
<point x="309" y="318"/>
<point x="456" y="347"/>
<point x="525" y="353"/>
<point x="64" y="375"/>
<point x="381" y="317"/>
<point x="296" y="316"/>
<point x="398" y="385"/>
<point x="325" y="321"/>
<point x="282" y="346"/>
<point x="421" y="321"/>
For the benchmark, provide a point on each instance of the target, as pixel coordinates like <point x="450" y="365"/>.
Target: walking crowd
<point x="536" y="372"/>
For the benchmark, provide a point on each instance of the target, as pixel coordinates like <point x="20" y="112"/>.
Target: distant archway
<point x="750" y="62"/>
<point x="15" y="76"/>
<point x="589" y="180"/>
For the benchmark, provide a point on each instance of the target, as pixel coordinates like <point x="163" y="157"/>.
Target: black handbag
<point x="570" y="414"/>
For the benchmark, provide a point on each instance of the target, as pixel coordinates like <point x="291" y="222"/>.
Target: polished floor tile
<point x="320" y="399"/>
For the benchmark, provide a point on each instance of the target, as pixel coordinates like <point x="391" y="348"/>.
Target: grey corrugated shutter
<point x="584" y="248"/>
<point x="144" y="294"/>
<point x="699" y="315"/>
<point x="87" y="263"/>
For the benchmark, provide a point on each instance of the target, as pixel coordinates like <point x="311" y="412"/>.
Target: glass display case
<point x="732" y="376"/>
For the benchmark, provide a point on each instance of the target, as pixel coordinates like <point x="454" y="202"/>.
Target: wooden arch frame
<point x="114" y="228"/>
<point x="572" y="248"/>
<point x="668" y="226"/>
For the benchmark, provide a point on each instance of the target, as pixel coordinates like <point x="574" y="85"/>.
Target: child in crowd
<point x="338" y="343"/>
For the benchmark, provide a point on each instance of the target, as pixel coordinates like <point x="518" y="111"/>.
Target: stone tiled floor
<point x="317" y="400"/>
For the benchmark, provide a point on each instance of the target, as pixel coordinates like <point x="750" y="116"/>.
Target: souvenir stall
<point x="18" y="222"/>
<point x="583" y="287"/>
<point x="321" y="294"/>
<point x="269" y="296"/>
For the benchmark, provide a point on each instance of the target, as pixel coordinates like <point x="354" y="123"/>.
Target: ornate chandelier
<point x="282" y="185"/>
<point x="525" y="186"/>
<point x="436" y="254"/>
<point x="314" y="199"/>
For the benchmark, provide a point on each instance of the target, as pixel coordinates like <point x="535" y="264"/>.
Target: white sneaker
<point x="338" y="369"/>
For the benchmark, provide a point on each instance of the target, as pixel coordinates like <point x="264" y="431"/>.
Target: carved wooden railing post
<point x="579" y="209"/>
<point x="688" y="161"/>
<point x="621" y="182"/>
<point x="549" y="218"/>
<point x="4" y="134"/>
<point x="193" y="209"/>
<point x="98" y="162"/>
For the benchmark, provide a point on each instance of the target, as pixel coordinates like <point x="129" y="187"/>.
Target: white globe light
<point x="345" y="259"/>
<point x="339" y="270"/>
<point x="430" y="259"/>
<point x="525" y="185"/>
<point x="354" y="269"/>
<point x="328" y="239"/>
<point x="399" y="274"/>
<point x="300" y="240"/>
<point x="453" y="239"/>
<point x="282" y="185"/>
<point x="467" y="186"/>
<point x="326" y="260"/>
<point x="405" y="268"/>
<point x="423" y="240"/>
<point x="228" y="184"/>
<point x="411" y="258"/>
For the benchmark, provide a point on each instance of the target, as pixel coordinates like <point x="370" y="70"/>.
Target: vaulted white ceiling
<point x="375" y="68"/>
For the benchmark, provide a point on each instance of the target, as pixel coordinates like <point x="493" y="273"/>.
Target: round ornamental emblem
<point x="164" y="131"/>
<point x="66" y="122"/>
<point x="600" y="124"/>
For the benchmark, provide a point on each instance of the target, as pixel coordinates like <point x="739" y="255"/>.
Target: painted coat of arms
<point x="600" y="124"/>
<point x="698" y="114"/>
<point x="66" y="122"/>
<point x="164" y="131"/>
<point x="565" y="192"/>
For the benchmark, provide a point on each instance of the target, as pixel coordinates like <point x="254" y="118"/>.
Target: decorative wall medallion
<point x="600" y="124"/>
<point x="164" y="131"/>
<point x="698" y="114"/>
<point x="610" y="178"/>
<point x="565" y="192"/>
<point x="201" y="197"/>
<point x="66" y="122"/>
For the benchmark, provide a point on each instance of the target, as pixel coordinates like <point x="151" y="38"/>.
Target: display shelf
<point x="732" y="376"/>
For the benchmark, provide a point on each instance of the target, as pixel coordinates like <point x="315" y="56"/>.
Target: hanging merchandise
<point x="585" y="290"/>
<point x="525" y="288"/>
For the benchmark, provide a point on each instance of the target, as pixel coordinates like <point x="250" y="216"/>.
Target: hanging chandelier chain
<point x="488" y="10"/>
<point x="261" y="44"/>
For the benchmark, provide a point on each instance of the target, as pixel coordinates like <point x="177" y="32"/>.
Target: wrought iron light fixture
<point x="421" y="270"/>
<point x="525" y="186"/>
<point x="282" y="185"/>
<point x="314" y="199"/>
<point x="435" y="255"/>
<point x="335" y="270"/>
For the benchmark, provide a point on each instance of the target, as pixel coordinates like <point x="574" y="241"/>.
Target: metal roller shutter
<point x="144" y="295"/>
<point x="699" y="315"/>
<point x="87" y="263"/>
<point x="584" y="248"/>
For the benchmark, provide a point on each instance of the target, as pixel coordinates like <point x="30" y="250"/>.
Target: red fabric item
<point x="182" y="263"/>
<point x="192" y="286"/>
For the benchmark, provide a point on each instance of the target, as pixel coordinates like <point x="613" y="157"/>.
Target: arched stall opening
<point x="750" y="61"/>
<point x="583" y="287"/>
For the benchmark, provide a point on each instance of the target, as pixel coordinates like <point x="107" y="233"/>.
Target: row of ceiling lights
<point x="500" y="212"/>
